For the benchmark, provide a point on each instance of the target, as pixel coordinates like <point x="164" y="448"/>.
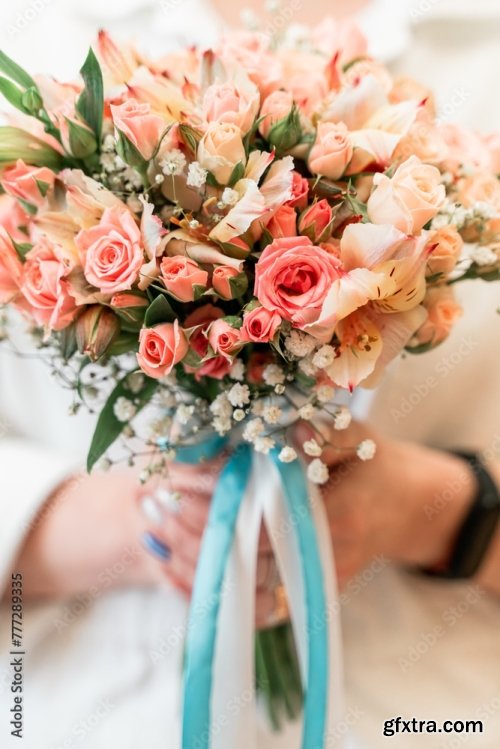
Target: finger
<point x="337" y="446"/>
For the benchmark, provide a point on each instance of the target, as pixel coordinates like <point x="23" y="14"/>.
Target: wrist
<point x="441" y="487"/>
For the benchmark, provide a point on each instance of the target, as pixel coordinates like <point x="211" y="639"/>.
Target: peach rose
<point x="482" y="187"/>
<point x="217" y="366"/>
<point x="143" y="128"/>
<point x="260" y="325"/>
<point x="161" y="348"/>
<point x="304" y="74"/>
<point x="293" y="277"/>
<point x="275" y="107"/>
<point x="28" y="183"/>
<point x="221" y="280"/>
<point x="220" y="149"/>
<point x="112" y="253"/>
<point x="224" y="339"/>
<point x="11" y="269"/>
<point x="227" y="103"/>
<point x="424" y="140"/>
<point x="408" y="199"/>
<point x="314" y="221"/>
<point x="492" y="143"/>
<point x="300" y="191"/>
<point x="446" y="245"/>
<point x="283" y="223"/>
<point x="180" y="276"/>
<point x="45" y="286"/>
<point x="332" y="150"/>
<point x="443" y="312"/>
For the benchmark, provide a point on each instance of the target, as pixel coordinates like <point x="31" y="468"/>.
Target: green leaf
<point x="82" y="142"/>
<point x="22" y="249"/>
<point x="125" y="343"/>
<point x="129" y="153"/>
<point x="67" y="342"/>
<point x="236" y="174"/>
<point x="13" y="71"/>
<point x="211" y="180"/>
<point x="238" y="284"/>
<point x="191" y="137"/>
<point x="108" y="428"/>
<point x="12" y="93"/>
<point x="18" y="144"/>
<point x="90" y="104"/>
<point x="234" y="321"/>
<point x="43" y="187"/>
<point x="159" y="311"/>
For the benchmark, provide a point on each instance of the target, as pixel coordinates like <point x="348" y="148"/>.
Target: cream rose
<point x="220" y="149"/>
<point x="408" y="199"/>
<point x="332" y="150"/>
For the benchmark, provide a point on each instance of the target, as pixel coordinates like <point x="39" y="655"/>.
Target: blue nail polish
<point x="155" y="546"/>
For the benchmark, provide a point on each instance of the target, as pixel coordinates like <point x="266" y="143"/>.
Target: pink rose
<point x="112" y="253"/>
<point x="29" y="183"/>
<point x="180" y="276"/>
<point x="139" y="125"/>
<point x="224" y="339"/>
<point x="218" y="366"/>
<point x="315" y="220"/>
<point x="161" y="348"/>
<point x="275" y="107"/>
<point x="465" y="147"/>
<point x="443" y="312"/>
<point x="446" y="245"/>
<point x="283" y="223"/>
<point x="123" y="300"/>
<point x="225" y="102"/>
<point x="293" y="277"/>
<point x="300" y="191"/>
<point x="46" y="288"/>
<point x="481" y="187"/>
<point x="492" y="143"/>
<point x="11" y="269"/>
<point x="332" y="150"/>
<point x="260" y="325"/>
<point x="305" y="75"/>
<point x="408" y="199"/>
<point x="13" y="217"/>
<point x="221" y="280"/>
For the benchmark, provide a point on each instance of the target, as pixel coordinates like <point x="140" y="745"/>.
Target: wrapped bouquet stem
<point x="197" y="240"/>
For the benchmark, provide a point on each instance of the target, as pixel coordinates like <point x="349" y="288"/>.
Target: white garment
<point x="104" y="671"/>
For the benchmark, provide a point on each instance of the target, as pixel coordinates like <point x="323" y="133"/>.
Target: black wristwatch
<point x="477" y="530"/>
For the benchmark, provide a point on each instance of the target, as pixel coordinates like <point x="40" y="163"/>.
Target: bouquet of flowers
<point x="233" y="237"/>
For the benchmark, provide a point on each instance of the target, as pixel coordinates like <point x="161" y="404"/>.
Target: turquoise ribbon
<point x="205" y="604"/>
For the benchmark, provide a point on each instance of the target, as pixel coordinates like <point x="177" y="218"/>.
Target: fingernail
<point x="151" y="510"/>
<point x="169" y="500"/>
<point x="155" y="546"/>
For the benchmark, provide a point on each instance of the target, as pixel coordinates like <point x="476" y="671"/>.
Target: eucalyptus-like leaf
<point x="108" y="427"/>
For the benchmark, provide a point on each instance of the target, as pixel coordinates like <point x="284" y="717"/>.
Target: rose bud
<point x="228" y="282"/>
<point x="446" y="245"/>
<point x="260" y="325"/>
<point x="442" y="314"/>
<point x="221" y="149"/>
<point x="224" y="339"/>
<point x="183" y="277"/>
<point x="161" y="348"/>
<point x="96" y="328"/>
<point x="300" y="192"/>
<point x="332" y="150"/>
<point x="283" y="223"/>
<point x="315" y="221"/>
<point x="275" y="107"/>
